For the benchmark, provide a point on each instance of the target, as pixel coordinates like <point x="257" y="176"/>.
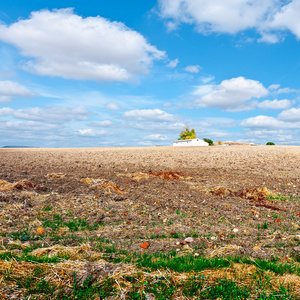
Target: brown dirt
<point x="241" y="198"/>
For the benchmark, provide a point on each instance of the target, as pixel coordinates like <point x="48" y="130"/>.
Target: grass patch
<point x="75" y="224"/>
<point x="8" y="256"/>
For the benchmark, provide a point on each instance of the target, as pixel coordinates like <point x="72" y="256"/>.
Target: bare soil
<point x="234" y="200"/>
<point x="154" y="204"/>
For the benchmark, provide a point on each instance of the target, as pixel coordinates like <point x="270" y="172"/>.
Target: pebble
<point x="235" y="230"/>
<point x="189" y="240"/>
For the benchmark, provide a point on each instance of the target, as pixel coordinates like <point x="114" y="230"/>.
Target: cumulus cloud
<point x="290" y="115"/>
<point x="267" y="122"/>
<point x="275" y="104"/>
<point x="287" y="18"/>
<point x="149" y="115"/>
<point x="112" y="106"/>
<point x="231" y="94"/>
<point x="57" y="115"/>
<point x="173" y="63"/>
<point x="10" y="89"/>
<point x="61" y="43"/>
<point x="193" y="69"/>
<point x="269" y="17"/>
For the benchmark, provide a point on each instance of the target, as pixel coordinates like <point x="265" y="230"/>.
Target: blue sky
<point x="134" y="73"/>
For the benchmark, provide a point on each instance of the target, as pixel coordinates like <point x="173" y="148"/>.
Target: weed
<point x="226" y="289"/>
<point x="55" y="223"/>
<point x="279" y="197"/>
<point x="263" y="226"/>
<point x="158" y="236"/>
<point x="110" y="249"/>
<point x="48" y="208"/>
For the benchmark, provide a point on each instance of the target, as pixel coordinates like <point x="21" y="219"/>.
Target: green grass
<point x="31" y="258"/>
<point x="48" y="208"/>
<point x="75" y="224"/>
<point x="189" y="262"/>
<point x="278" y="197"/>
<point x="197" y="287"/>
<point x="265" y="225"/>
<point x="161" y="287"/>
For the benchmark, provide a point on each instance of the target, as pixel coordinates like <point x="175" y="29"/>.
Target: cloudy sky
<point x="134" y="73"/>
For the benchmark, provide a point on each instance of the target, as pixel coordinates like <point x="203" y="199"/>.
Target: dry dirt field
<point x="150" y="223"/>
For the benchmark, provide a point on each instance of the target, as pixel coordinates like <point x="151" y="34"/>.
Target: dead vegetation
<point x="20" y="185"/>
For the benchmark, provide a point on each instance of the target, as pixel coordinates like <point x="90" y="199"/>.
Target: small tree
<point x="209" y="141"/>
<point x="187" y="134"/>
<point x="270" y="143"/>
<point x="220" y="142"/>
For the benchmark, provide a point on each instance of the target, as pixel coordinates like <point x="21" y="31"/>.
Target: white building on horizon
<point x="191" y="142"/>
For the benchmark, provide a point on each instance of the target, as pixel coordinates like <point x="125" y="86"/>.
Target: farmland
<point x="150" y="223"/>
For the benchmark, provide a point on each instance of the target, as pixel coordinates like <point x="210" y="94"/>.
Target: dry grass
<point x="103" y="184"/>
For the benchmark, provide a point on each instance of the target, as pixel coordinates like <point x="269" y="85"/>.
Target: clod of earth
<point x="144" y="245"/>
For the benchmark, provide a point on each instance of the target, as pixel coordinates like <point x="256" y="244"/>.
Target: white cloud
<point x="149" y="115"/>
<point x="273" y="87"/>
<point x="57" y="115"/>
<point x="89" y="132"/>
<point x="203" y="90"/>
<point x="26" y="126"/>
<point x="193" y="69"/>
<point x="287" y="91"/>
<point x="287" y="18"/>
<point x="162" y="127"/>
<point x="270" y="38"/>
<point x="112" y="106"/>
<point x="105" y="123"/>
<point x="10" y="89"/>
<point x="275" y="104"/>
<point x="145" y="143"/>
<point x="156" y="137"/>
<point x="231" y="94"/>
<point x="266" y="122"/>
<point x="173" y="63"/>
<point x="61" y="43"/>
<point x="229" y="16"/>
<point x="290" y="115"/>
<point x="268" y="17"/>
<point x="207" y="79"/>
